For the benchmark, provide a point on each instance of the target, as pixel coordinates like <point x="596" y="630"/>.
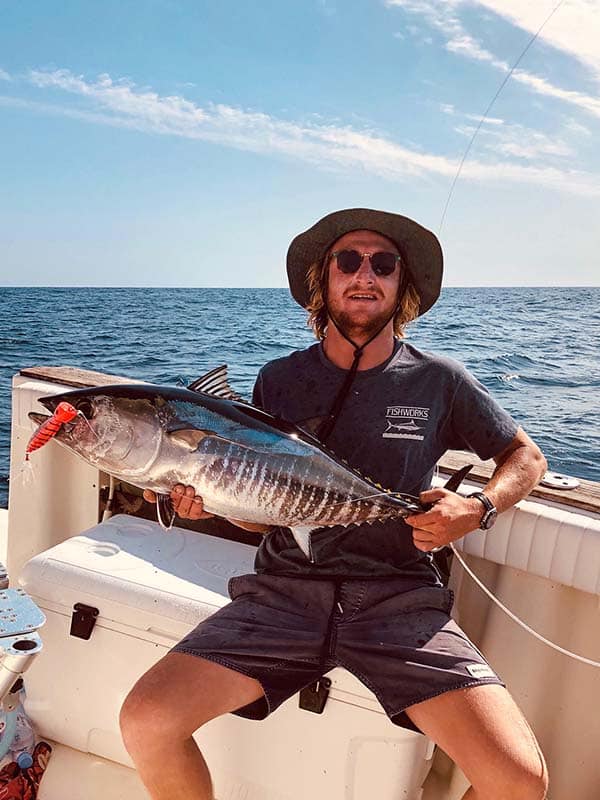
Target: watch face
<point x="488" y="519"/>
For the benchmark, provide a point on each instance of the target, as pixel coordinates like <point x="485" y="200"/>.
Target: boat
<point x="117" y="592"/>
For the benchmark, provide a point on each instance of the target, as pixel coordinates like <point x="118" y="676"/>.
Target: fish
<point x="245" y="463"/>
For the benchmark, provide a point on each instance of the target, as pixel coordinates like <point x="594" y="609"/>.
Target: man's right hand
<point x="187" y="504"/>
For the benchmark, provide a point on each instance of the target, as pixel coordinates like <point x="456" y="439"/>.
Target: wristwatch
<point x="489" y="515"/>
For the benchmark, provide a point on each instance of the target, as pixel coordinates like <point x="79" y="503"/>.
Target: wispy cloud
<point x="4" y="76"/>
<point x="518" y="141"/>
<point x="542" y="86"/>
<point x="121" y="103"/>
<point x="513" y="140"/>
<point x="448" y="108"/>
<point x="465" y="45"/>
<point x="574" y="30"/>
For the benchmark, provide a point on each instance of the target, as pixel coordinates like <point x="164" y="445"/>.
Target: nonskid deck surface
<point x="82" y="776"/>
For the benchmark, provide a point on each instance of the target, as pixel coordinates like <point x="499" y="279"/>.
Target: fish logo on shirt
<point x="401" y="422"/>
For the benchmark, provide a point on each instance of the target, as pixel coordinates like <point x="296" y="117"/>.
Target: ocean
<point x="535" y="349"/>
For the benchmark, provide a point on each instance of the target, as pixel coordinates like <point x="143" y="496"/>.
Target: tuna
<point x="245" y="463"/>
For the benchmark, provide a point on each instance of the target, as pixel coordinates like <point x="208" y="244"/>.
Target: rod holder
<point x="19" y="643"/>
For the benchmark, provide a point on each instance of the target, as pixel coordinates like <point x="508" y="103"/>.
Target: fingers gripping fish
<point x="246" y="463"/>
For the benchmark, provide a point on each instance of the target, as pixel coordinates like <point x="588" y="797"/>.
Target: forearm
<point x="518" y="470"/>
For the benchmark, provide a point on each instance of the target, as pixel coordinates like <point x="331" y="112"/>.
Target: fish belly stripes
<point x="266" y="490"/>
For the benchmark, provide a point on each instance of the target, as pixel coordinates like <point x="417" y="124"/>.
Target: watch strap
<point x="487" y="503"/>
<point x="490" y="512"/>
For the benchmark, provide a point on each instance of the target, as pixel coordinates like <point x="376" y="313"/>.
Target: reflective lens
<point x="382" y="263"/>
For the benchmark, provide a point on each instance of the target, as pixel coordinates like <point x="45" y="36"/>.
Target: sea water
<point x="535" y="349"/>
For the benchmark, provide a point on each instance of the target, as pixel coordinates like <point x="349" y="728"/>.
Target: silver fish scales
<point x="245" y="463"/>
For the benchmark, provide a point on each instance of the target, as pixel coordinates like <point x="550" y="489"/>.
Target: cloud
<point x="542" y="86"/>
<point x="574" y="30"/>
<point x="577" y="128"/>
<point x="512" y="140"/>
<point x="519" y="141"/>
<point x="448" y="108"/>
<point x="465" y="45"/>
<point x="4" y="76"/>
<point x="120" y="103"/>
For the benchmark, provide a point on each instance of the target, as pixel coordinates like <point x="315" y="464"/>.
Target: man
<point x="391" y="411"/>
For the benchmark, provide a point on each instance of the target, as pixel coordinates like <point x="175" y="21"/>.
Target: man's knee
<point x="147" y="719"/>
<point x="535" y="779"/>
<point x="526" y="781"/>
<point x="527" y="786"/>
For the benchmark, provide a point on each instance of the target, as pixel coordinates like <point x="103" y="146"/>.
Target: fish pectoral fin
<point x="189" y="438"/>
<point x="301" y="534"/>
<point x="311" y="425"/>
<point x="165" y="512"/>
<point x="215" y="382"/>
<point x="455" y="480"/>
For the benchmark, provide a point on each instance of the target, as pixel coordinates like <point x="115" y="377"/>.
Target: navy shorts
<point x="288" y="632"/>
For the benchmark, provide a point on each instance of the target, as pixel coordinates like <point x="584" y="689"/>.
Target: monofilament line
<point x="520" y="622"/>
<point x="489" y="108"/>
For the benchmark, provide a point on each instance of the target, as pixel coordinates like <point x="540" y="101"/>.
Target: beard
<point x="362" y="326"/>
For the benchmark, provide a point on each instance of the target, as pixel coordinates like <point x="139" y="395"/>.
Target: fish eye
<point x="86" y="408"/>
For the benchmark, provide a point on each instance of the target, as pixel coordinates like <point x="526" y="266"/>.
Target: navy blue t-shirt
<point x="397" y="421"/>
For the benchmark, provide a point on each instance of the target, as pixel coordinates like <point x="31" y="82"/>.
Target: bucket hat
<point x="420" y="250"/>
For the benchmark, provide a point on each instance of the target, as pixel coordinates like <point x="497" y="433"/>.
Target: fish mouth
<point x="39" y="419"/>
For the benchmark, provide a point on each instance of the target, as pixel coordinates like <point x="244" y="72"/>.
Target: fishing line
<point x="82" y="416"/>
<point x="492" y="597"/>
<point x="520" y="622"/>
<point x="358" y="499"/>
<point x="489" y="108"/>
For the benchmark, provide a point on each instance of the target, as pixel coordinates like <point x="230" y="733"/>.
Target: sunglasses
<point x="382" y="263"/>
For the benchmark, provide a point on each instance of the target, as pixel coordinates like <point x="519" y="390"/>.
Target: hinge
<point x="314" y="697"/>
<point x="83" y="620"/>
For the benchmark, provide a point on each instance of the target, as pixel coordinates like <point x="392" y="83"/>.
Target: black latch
<point x="314" y="697"/>
<point x="83" y="620"/>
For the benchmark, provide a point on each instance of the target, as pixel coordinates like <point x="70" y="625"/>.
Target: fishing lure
<point x="64" y="412"/>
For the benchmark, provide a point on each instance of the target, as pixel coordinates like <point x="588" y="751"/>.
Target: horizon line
<point x="268" y="288"/>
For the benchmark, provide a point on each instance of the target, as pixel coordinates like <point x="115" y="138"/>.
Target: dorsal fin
<point x="215" y="383"/>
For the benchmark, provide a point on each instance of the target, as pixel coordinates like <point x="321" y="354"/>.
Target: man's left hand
<point x="450" y="518"/>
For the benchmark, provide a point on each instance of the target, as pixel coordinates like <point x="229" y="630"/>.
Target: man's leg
<point x="174" y="698"/>
<point x="483" y="731"/>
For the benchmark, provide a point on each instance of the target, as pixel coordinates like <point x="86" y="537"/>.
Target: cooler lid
<point x="136" y="572"/>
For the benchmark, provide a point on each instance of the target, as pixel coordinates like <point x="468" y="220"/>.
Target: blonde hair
<point x="408" y="308"/>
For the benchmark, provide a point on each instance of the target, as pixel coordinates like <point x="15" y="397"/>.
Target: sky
<point x="167" y="143"/>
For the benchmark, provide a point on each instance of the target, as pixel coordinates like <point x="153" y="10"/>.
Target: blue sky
<point x="185" y="143"/>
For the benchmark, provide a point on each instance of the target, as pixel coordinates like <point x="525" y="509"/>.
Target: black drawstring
<point x="326" y="427"/>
